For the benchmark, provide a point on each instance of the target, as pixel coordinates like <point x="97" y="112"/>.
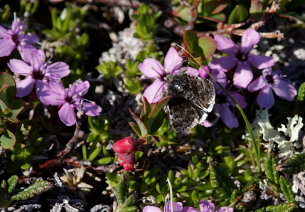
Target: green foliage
<point x="110" y="69"/>
<point x="287" y="189"/>
<point x="301" y="93"/>
<point x="10" y="107"/>
<point x="37" y="188"/>
<point x="146" y="22"/>
<point x="150" y="119"/>
<point x="238" y="14"/>
<point x="99" y="129"/>
<point x="67" y="33"/>
<point x="202" y="47"/>
<point x="293" y="165"/>
<point x="271" y="173"/>
<point x="8" y="193"/>
<point x="125" y="199"/>
<point x="287" y="207"/>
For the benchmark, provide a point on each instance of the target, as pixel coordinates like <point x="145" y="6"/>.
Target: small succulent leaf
<point x="146" y="110"/>
<point x="12" y="182"/>
<point x="271" y="172"/>
<point x="287" y="189"/>
<point x="190" y="41"/>
<point x="7" y="87"/>
<point x="7" y="140"/>
<point x="135" y="128"/>
<point x="208" y="46"/>
<point x="155" y="111"/>
<point x="142" y="126"/>
<point x="130" y="201"/>
<point x="37" y="188"/>
<point x="301" y="93"/>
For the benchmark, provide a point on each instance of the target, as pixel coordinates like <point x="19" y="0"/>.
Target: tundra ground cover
<point x="152" y="106"/>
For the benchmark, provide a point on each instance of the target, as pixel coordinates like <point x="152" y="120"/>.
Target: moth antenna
<point x="171" y="194"/>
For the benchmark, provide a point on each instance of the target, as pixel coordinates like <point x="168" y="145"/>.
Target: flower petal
<point x="225" y="44"/>
<point x="27" y="53"/>
<point x="206" y="206"/>
<point x="243" y="75"/>
<point x="20" y="67"/>
<point x="260" y="62"/>
<point x="223" y="63"/>
<point x="7" y="46"/>
<point x="151" y="209"/>
<point x="220" y="77"/>
<point x="226" y="115"/>
<point x="67" y="114"/>
<point x="239" y="98"/>
<point x="265" y="98"/>
<point x="284" y="89"/>
<point x="79" y="88"/>
<point x="58" y="70"/>
<point x="203" y="71"/>
<point x="190" y="209"/>
<point x="155" y="91"/>
<point x="249" y="39"/>
<point x="52" y="94"/>
<point x="151" y="68"/>
<point x="192" y="71"/>
<point x="225" y="209"/>
<point x="257" y="84"/>
<point x="4" y="33"/>
<point x="91" y="108"/>
<point x="24" y="87"/>
<point x="177" y="206"/>
<point x="172" y="61"/>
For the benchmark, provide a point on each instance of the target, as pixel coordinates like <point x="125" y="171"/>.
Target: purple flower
<point x="240" y="57"/>
<point x="15" y="38"/>
<point x="36" y="72"/>
<point x="224" y="106"/>
<point x="269" y="81"/>
<point x="153" y="69"/>
<point x="69" y="100"/>
<point x="177" y="206"/>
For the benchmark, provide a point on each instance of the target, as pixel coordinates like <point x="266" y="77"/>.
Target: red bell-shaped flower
<point x="125" y="145"/>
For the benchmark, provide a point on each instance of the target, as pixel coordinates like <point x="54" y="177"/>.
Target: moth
<point x="193" y="98"/>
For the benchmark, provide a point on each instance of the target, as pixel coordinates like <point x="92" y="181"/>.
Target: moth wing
<point x="183" y="115"/>
<point x="203" y="91"/>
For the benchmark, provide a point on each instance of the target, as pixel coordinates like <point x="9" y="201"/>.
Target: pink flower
<point x="124" y="145"/>
<point x="269" y="81"/>
<point x="177" y="206"/>
<point x="36" y="72"/>
<point x="153" y="69"/>
<point x="240" y="57"/>
<point x="15" y="38"/>
<point x="69" y="100"/>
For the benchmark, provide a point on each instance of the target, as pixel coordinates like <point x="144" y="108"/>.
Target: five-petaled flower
<point x="69" y="100"/>
<point x="240" y="57"/>
<point x="205" y="206"/>
<point x="269" y="81"/>
<point x="153" y="69"/>
<point x="16" y="38"/>
<point x="36" y="72"/>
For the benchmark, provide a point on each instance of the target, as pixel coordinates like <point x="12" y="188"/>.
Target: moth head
<point x="177" y="85"/>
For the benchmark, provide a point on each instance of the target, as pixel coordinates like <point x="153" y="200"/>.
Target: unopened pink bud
<point x="127" y="160"/>
<point x="124" y="145"/>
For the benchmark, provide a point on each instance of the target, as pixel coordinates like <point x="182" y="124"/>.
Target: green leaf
<point x="293" y="165"/>
<point x="190" y="41"/>
<point x="12" y="182"/>
<point x="135" y="128"/>
<point x="37" y="188"/>
<point x="105" y="160"/>
<point x="271" y="172"/>
<point x="285" y="207"/>
<point x="7" y="87"/>
<point x="238" y="14"/>
<point x="142" y="126"/>
<point x="287" y="189"/>
<point x="208" y="46"/>
<point x="155" y="110"/>
<point x="301" y="93"/>
<point x="7" y="139"/>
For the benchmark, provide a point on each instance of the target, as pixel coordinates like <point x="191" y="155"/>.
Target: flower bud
<point x="127" y="160"/>
<point x="125" y="145"/>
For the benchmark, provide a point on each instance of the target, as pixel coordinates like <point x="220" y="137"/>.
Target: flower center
<point x="241" y="57"/>
<point x="69" y="99"/>
<point x="269" y="79"/>
<point x="15" y="38"/>
<point x="37" y="75"/>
